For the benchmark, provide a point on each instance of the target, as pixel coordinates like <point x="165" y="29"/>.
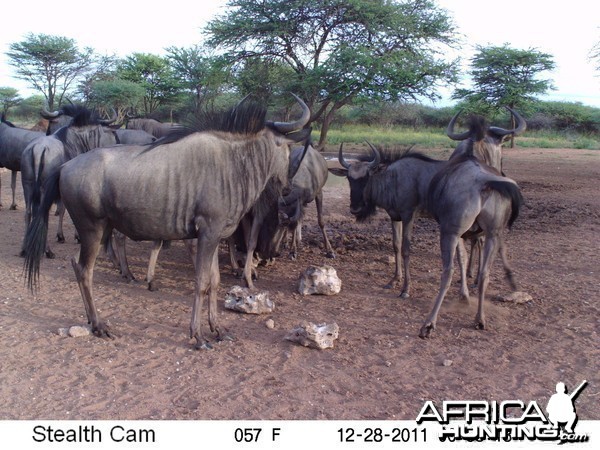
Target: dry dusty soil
<point x="379" y="367"/>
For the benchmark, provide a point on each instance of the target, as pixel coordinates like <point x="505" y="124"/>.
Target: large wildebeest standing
<point x="306" y="186"/>
<point x="463" y="194"/>
<point x="152" y="126"/>
<point x="198" y="185"/>
<point x="45" y="154"/>
<point x="13" y="141"/>
<point x="488" y="151"/>
<point x="398" y="182"/>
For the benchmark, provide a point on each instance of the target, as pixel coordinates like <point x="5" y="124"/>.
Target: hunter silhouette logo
<point x="561" y="407"/>
<point x="509" y="420"/>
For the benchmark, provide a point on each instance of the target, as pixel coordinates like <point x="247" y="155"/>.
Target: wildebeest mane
<point x="389" y="155"/>
<point x="247" y="117"/>
<point x="3" y="120"/>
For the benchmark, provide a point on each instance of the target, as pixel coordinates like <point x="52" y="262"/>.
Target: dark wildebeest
<point x="398" y="182"/>
<point x="189" y="185"/>
<point x="306" y="186"/>
<point x="151" y="126"/>
<point x="467" y="194"/>
<point x="13" y="141"/>
<point x="46" y="154"/>
<point x="489" y="152"/>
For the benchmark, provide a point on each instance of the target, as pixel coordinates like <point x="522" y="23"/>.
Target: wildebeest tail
<point x="37" y="230"/>
<point x="511" y="191"/>
<point x="37" y="185"/>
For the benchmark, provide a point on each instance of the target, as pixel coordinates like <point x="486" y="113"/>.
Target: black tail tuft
<point x="511" y="191"/>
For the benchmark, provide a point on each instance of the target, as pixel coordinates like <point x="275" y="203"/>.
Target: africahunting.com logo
<point x="510" y="420"/>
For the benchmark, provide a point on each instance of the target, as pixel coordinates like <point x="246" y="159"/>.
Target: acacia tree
<point x="503" y="76"/>
<point x="154" y="75"/>
<point x="9" y="97"/>
<point x="341" y="49"/>
<point x="199" y="72"/>
<point x="50" y="64"/>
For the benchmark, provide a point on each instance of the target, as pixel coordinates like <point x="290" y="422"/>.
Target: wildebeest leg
<point x="84" y="273"/>
<point x="13" y="186"/>
<point x="462" y="263"/>
<point x="250" y="247"/>
<point x="448" y="243"/>
<point x="205" y="255"/>
<point x="121" y="253"/>
<point x="489" y="252"/>
<point x="296" y="236"/>
<point x="396" y="243"/>
<point x="191" y="245"/>
<point x="319" y="203"/>
<point x="407" y="229"/>
<point x="152" y="264"/>
<point x="507" y="269"/>
<point x="213" y="318"/>
<point x="60" y="212"/>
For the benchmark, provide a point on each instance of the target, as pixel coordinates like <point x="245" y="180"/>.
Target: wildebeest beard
<point x="367" y="211"/>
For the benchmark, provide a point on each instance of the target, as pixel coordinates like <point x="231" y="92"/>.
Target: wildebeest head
<point x="64" y="116"/>
<point x="487" y="140"/>
<point x="359" y="174"/>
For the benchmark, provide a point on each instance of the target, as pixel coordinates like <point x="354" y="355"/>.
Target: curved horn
<point x="345" y="164"/>
<point x="288" y="127"/>
<point x="450" y="130"/>
<point x="50" y="115"/>
<point x="111" y="120"/>
<point x="376" y="158"/>
<point x="520" y="128"/>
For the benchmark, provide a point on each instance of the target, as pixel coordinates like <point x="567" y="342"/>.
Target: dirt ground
<point x="379" y="367"/>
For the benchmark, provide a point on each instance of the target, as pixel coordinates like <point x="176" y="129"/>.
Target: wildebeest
<point x="151" y="126"/>
<point x="398" y="182"/>
<point x="13" y="141"/>
<point x="43" y="155"/>
<point x="489" y="151"/>
<point x="188" y="185"/>
<point x="305" y="186"/>
<point x="467" y="193"/>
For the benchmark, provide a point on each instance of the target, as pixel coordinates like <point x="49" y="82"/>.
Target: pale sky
<point x="566" y="30"/>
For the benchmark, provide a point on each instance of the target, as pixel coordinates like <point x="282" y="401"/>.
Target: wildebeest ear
<point x="338" y="171"/>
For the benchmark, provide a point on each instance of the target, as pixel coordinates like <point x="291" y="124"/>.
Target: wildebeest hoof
<point x="50" y="254"/>
<point x="404" y="294"/>
<point x="103" y="331"/>
<point x="480" y="325"/>
<point x="152" y="287"/>
<point x="426" y="330"/>
<point x="331" y="255"/>
<point x="293" y="256"/>
<point x="225" y="338"/>
<point x="204" y="345"/>
<point x="60" y="238"/>
<point x="13" y="207"/>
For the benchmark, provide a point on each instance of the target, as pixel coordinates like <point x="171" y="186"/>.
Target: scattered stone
<point x="270" y="324"/>
<point x="515" y="297"/>
<point x="79" y="331"/>
<point x="242" y="300"/>
<point x="316" y="336"/>
<point x="63" y="332"/>
<point x="319" y="280"/>
<point x="447" y="362"/>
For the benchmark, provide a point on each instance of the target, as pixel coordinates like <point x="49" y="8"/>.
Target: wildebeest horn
<point x="376" y="158"/>
<point x="50" y="115"/>
<point x="521" y="125"/>
<point x="109" y="121"/>
<point x="288" y="127"/>
<point x="450" y="130"/>
<point x="341" y="159"/>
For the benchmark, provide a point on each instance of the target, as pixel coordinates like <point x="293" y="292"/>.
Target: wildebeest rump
<point x="200" y="185"/>
<point x="45" y="154"/>
<point x="13" y="141"/>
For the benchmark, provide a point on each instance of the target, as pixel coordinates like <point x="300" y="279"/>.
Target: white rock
<point x="319" y="280"/>
<point x="270" y="324"/>
<point x="515" y="297"/>
<point x="316" y="336"/>
<point x="79" y="331"/>
<point x="242" y="300"/>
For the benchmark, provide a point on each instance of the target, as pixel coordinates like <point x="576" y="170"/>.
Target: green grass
<point x="436" y="138"/>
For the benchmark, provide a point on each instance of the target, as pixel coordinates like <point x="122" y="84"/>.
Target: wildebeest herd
<point x="239" y="179"/>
